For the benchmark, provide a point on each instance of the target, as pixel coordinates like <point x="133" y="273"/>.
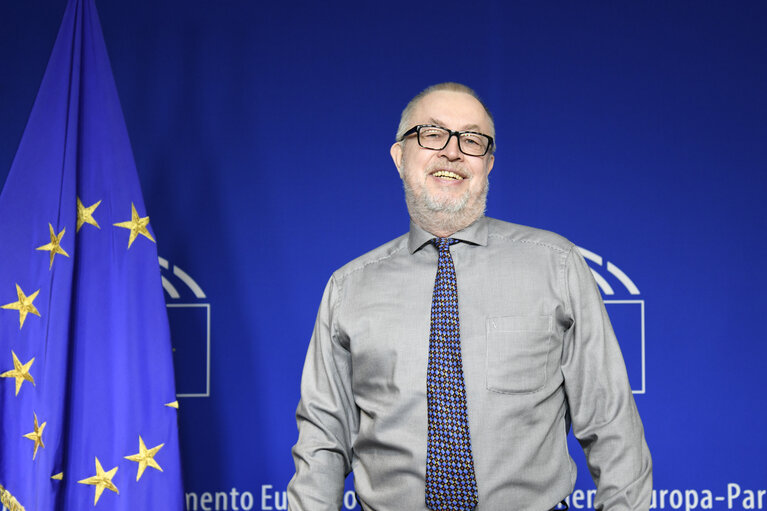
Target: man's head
<point x="445" y="189"/>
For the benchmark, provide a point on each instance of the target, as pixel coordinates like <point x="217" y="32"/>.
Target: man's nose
<point x="452" y="151"/>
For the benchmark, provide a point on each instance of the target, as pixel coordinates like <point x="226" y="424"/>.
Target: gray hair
<point x="404" y="121"/>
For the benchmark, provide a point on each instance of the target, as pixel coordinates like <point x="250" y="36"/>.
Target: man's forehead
<point x="459" y="109"/>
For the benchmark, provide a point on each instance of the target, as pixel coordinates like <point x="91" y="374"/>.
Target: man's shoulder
<point x="370" y="259"/>
<point x="499" y="231"/>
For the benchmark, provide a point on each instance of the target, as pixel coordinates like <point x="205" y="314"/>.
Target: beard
<point x="443" y="216"/>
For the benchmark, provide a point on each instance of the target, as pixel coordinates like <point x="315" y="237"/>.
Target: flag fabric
<point x="88" y="413"/>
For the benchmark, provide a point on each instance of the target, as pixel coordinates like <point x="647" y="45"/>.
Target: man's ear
<point x="396" y="156"/>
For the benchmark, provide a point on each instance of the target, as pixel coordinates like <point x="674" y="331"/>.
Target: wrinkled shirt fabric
<point x="539" y="357"/>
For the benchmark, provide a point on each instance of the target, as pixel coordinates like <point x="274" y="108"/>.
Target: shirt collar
<point x="476" y="234"/>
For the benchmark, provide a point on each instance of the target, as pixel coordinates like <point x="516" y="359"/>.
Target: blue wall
<point x="637" y="130"/>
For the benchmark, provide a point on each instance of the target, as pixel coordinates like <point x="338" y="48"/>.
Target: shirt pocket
<point x="517" y="353"/>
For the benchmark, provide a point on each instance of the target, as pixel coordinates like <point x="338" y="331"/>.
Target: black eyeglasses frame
<point x="418" y="127"/>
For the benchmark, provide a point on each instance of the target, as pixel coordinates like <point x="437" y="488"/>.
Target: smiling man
<point x="457" y="391"/>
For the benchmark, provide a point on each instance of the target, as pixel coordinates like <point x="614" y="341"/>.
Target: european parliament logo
<point x="626" y="309"/>
<point x="189" y="319"/>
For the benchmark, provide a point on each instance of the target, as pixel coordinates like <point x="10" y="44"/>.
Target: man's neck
<point x="443" y="227"/>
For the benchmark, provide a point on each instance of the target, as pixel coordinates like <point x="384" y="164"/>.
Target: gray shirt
<point x="539" y="354"/>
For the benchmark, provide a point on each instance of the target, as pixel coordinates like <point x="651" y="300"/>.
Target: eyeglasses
<point x="436" y="138"/>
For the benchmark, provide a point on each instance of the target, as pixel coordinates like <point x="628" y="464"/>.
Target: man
<point x="458" y="392"/>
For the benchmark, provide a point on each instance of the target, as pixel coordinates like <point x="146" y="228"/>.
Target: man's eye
<point x="471" y="140"/>
<point x="432" y="133"/>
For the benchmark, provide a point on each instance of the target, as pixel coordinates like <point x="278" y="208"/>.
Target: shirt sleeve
<point x="327" y="417"/>
<point x="601" y="405"/>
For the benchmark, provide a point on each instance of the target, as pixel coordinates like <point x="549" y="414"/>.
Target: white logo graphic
<point x="626" y="315"/>
<point x="190" y="330"/>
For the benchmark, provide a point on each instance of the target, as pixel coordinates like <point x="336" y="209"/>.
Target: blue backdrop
<point x="637" y="130"/>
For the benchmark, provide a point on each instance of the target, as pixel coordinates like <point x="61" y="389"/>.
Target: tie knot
<point x="443" y="244"/>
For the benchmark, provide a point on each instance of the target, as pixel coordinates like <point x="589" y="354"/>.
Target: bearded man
<point x="457" y="392"/>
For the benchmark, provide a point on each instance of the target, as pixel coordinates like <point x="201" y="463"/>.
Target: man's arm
<point x="327" y="417"/>
<point x="604" y="416"/>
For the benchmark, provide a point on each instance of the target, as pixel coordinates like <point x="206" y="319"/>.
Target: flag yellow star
<point x="136" y="225"/>
<point x="85" y="215"/>
<point x="37" y="436"/>
<point x="58" y="477"/>
<point x="102" y="480"/>
<point x="172" y="404"/>
<point x="145" y="457"/>
<point x="55" y="245"/>
<point x="24" y="305"/>
<point x="20" y="372"/>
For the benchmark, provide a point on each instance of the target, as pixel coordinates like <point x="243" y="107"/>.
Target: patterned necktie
<point x="450" y="482"/>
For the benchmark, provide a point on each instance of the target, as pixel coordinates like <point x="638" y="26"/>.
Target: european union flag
<point x="87" y="398"/>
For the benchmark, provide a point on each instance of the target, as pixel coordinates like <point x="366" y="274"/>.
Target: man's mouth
<point x="446" y="174"/>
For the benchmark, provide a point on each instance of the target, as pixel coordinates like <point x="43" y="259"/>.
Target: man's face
<point x="445" y="182"/>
